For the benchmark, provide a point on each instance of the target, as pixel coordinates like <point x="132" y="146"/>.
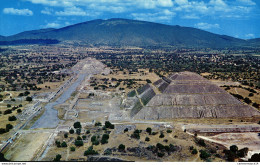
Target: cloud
<point x="165" y="15"/>
<point x="249" y="36"/>
<point x="246" y="2"/>
<point x="60" y="3"/>
<point x="52" y="25"/>
<point x="191" y="16"/>
<point x="25" y="12"/>
<point x="205" y="26"/>
<point x="188" y="9"/>
<point x="47" y="11"/>
<point x="72" y="11"/>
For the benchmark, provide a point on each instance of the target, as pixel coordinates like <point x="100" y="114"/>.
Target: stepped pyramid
<point x="185" y="95"/>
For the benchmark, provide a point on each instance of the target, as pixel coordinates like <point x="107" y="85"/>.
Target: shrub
<point x="8" y="111"/>
<point x="194" y="151"/>
<point x="107" y="152"/>
<point x="84" y="137"/>
<point x="161" y="135"/>
<point x="78" y="131"/>
<point x="71" y="131"/>
<point x="28" y="98"/>
<point x="154" y="133"/>
<point x="57" y="158"/>
<point x="201" y="142"/>
<point x="98" y="124"/>
<point x="137" y="131"/>
<point x="160" y="154"/>
<point x="88" y="131"/>
<point x="78" y="143"/>
<point x="8" y="127"/>
<point x="167" y="148"/>
<point x="19" y="110"/>
<point x="135" y="135"/>
<point x="121" y="147"/>
<point x="93" y="138"/>
<point x="8" y="105"/>
<point x="2" y="131"/>
<point x="11" y="118"/>
<point x="72" y="148"/>
<point x="109" y="125"/>
<point x="63" y="144"/>
<point x="247" y="100"/>
<point x="57" y="143"/>
<point x="26" y="93"/>
<point x="160" y="146"/>
<point x="243" y="152"/>
<point x="79" y="138"/>
<point x="191" y="147"/>
<point x="255" y="105"/>
<point x="96" y="142"/>
<point x="204" y="154"/>
<point x="233" y="148"/>
<point x="169" y="131"/>
<point x="255" y="158"/>
<point x="147" y="139"/>
<point x="125" y="130"/>
<point x="66" y="135"/>
<point x="104" y="139"/>
<point x="77" y="125"/>
<point x="149" y="130"/>
<point x="90" y="151"/>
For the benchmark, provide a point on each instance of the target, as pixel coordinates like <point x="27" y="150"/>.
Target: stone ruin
<point x="185" y="95"/>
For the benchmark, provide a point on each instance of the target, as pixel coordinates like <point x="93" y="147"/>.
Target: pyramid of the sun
<point x="185" y="95"/>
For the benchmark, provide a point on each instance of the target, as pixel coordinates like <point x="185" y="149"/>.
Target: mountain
<point x="124" y="32"/>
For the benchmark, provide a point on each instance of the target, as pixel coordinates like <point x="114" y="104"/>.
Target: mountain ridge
<point x="126" y="32"/>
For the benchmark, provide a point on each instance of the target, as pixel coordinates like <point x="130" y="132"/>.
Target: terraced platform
<point x="186" y="95"/>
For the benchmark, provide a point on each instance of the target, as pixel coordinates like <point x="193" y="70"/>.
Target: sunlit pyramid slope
<point x="185" y="95"/>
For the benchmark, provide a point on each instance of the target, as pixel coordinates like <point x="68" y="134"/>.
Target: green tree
<point x="71" y="131"/>
<point x="98" y="124"/>
<point x="63" y="144"/>
<point x="147" y="139"/>
<point x="11" y="118"/>
<point x="57" y="158"/>
<point x="149" y="130"/>
<point x="72" y="148"/>
<point x="121" y="147"/>
<point x="78" y="131"/>
<point x="109" y="125"/>
<point x="90" y="151"/>
<point x="8" y="127"/>
<point x="57" y="143"/>
<point x="78" y="143"/>
<point x="194" y="151"/>
<point x="79" y="138"/>
<point x="233" y="148"/>
<point x="28" y="99"/>
<point x="77" y="125"/>
<point x="161" y="135"/>
<point x="204" y="154"/>
<point x="125" y="130"/>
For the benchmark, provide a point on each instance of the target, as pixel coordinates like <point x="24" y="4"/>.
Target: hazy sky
<point x="238" y="18"/>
